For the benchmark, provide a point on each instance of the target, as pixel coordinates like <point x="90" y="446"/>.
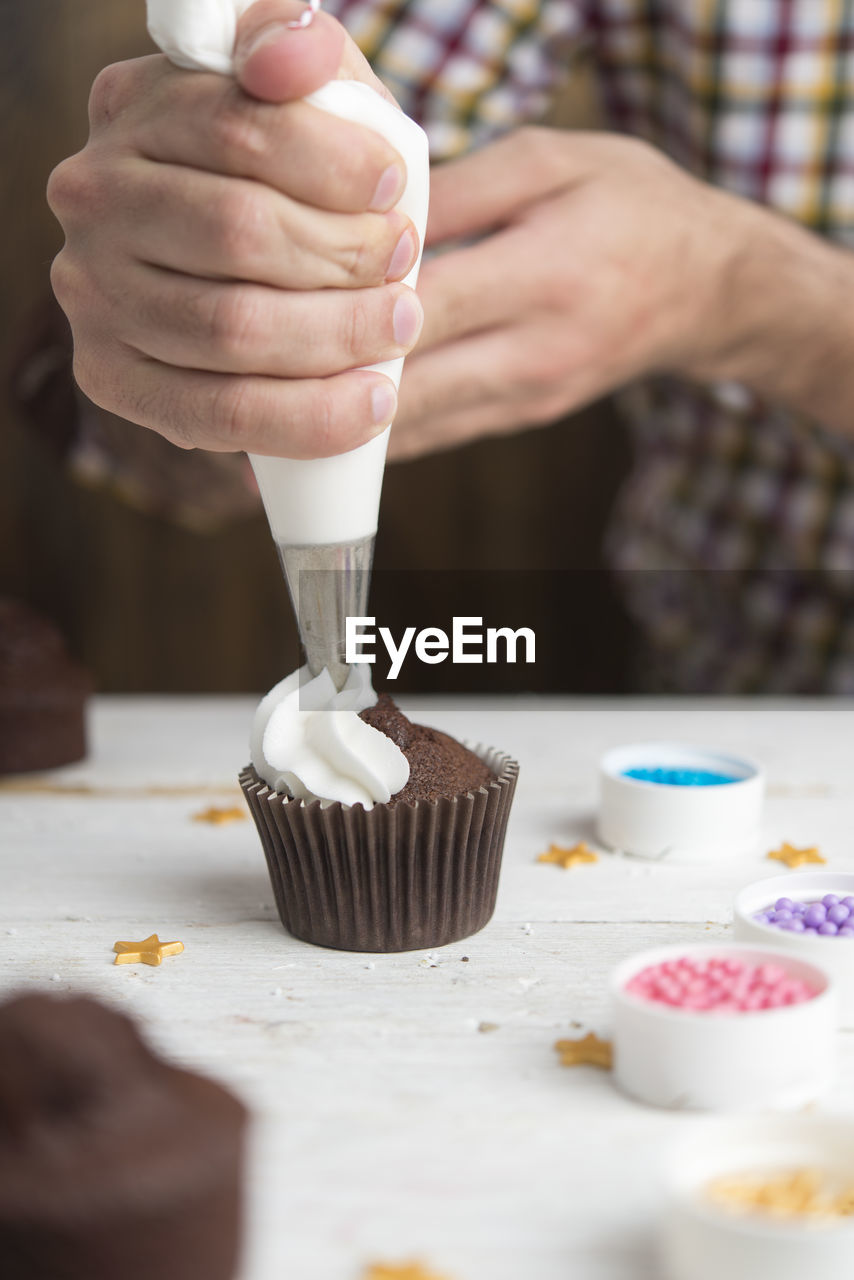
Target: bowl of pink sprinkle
<point x="808" y="914"/>
<point x="723" y="1027"/>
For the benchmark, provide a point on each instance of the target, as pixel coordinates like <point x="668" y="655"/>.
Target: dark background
<point x="149" y="606"/>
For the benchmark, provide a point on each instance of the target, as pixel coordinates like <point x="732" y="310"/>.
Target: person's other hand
<point x="231" y="252"/>
<point x="600" y="261"/>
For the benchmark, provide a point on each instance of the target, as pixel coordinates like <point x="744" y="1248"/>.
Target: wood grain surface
<point x="410" y="1105"/>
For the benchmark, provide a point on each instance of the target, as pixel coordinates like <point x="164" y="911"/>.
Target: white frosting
<point x="324" y="500"/>
<point x="307" y="740"/>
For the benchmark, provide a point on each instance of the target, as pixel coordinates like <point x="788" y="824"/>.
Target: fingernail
<point x="389" y="189"/>
<point x="267" y="35"/>
<point x="407" y="319"/>
<point x="384" y="402"/>
<point x="403" y="256"/>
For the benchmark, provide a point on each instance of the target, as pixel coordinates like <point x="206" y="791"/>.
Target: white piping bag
<point x="322" y="513"/>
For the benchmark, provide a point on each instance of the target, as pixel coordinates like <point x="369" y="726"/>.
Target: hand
<point x="231" y="251"/>
<point x="600" y="261"/>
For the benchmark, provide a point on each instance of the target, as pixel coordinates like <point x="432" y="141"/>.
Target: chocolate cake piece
<point x="43" y="694"/>
<point x="113" y="1164"/>
<point x="438" y="764"/>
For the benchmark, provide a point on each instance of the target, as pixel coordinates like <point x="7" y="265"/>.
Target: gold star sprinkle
<point x="567" y="858"/>
<point x="589" y="1051"/>
<point x="149" y="951"/>
<point x="795" y="857"/>
<point x="218" y="817"/>
<point x="401" y="1271"/>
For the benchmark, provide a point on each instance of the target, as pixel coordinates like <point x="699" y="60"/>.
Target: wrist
<point x="778" y="316"/>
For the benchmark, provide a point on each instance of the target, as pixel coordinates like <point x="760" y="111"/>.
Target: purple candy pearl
<point x="829" y="918"/>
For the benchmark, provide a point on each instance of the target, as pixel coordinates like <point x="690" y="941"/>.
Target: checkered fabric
<point x="735" y="532"/>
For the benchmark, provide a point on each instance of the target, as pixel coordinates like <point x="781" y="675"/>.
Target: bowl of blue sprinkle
<point x="679" y="801"/>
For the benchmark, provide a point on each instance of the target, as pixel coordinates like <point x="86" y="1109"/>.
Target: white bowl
<point x="701" y="1241"/>
<point x="682" y="1060"/>
<point x="689" y="823"/>
<point x="834" y="954"/>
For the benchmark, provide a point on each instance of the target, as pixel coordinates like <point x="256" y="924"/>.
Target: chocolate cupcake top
<point x="438" y="764"/>
<point x="92" y="1122"/>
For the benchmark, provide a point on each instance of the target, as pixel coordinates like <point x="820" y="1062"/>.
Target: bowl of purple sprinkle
<point x="809" y="913"/>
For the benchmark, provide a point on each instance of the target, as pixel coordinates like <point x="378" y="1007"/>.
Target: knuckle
<point x="111" y="94"/>
<point x="62" y="186"/>
<point x="62" y="280"/>
<point x="536" y="144"/>
<point x="541" y="372"/>
<point x="365" y="259"/>
<point x="350" y="257"/>
<point x="89" y="376"/>
<point x="548" y="408"/>
<point x="79" y="191"/>
<point x="70" y="187"/>
<point x="233" y="325"/>
<point x="356" y="171"/>
<point x="232" y="412"/>
<point x="323" y="420"/>
<point x="241" y="225"/>
<point x="235" y="126"/>
<point x="357" y="329"/>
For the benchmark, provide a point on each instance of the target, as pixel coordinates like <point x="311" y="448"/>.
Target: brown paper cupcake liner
<point x="401" y="877"/>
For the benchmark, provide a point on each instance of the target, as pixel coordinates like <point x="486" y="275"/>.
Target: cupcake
<point x="113" y="1164"/>
<point x="379" y="834"/>
<point x="43" y="694"/>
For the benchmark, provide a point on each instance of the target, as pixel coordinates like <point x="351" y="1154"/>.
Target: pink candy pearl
<point x="719" y="985"/>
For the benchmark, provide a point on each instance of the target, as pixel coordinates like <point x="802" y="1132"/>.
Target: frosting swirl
<point x="307" y="740"/>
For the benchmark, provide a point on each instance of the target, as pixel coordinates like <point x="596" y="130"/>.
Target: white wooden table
<point x="404" y="1108"/>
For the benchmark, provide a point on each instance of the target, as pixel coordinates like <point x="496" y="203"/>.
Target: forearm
<point x="784" y="317"/>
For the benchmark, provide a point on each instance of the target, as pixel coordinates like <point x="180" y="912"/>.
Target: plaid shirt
<point x="756" y="96"/>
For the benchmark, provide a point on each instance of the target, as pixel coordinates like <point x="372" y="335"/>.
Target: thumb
<point x="276" y="59"/>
